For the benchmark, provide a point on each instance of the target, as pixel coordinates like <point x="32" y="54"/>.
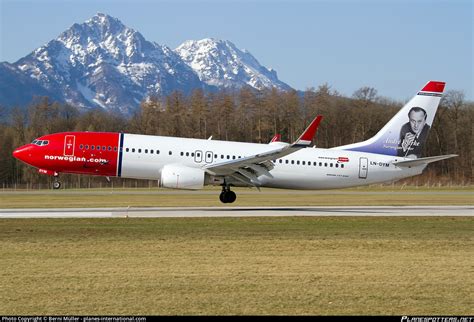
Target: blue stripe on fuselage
<point x="119" y="171"/>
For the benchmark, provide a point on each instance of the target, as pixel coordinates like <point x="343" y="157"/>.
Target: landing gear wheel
<point x="56" y="184"/>
<point x="222" y="197"/>
<point x="231" y="196"/>
<point x="227" y="196"/>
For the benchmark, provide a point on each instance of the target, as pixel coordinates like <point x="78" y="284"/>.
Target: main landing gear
<point x="227" y="196"/>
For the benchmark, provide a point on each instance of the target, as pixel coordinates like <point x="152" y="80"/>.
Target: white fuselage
<point x="144" y="157"/>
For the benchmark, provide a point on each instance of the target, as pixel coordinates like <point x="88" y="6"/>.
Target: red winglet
<point x="434" y="86"/>
<point x="310" y="131"/>
<point x="276" y="138"/>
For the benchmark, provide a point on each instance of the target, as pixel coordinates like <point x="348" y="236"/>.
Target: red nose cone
<point x="22" y="153"/>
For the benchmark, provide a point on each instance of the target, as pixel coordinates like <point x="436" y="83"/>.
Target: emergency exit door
<point x="363" y="168"/>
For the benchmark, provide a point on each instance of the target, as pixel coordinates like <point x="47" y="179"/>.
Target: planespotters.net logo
<point x="75" y="159"/>
<point x="437" y="319"/>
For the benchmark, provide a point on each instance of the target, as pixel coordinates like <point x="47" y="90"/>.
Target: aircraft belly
<point x="307" y="180"/>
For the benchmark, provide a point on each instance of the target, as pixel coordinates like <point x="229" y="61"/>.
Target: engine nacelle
<point x="177" y="176"/>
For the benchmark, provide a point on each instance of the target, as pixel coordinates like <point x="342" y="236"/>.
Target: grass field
<point x="326" y="265"/>
<point x="372" y="196"/>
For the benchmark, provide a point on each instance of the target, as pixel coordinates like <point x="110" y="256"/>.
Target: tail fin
<point x="406" y="133"/>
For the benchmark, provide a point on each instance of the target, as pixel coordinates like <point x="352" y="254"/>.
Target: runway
<point x="198" y="212"/>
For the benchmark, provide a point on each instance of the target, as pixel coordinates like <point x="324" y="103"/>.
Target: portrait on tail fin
<point x="413" y="134"/>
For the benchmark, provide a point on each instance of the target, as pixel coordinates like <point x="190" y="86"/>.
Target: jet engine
<point x="177" y="176"/>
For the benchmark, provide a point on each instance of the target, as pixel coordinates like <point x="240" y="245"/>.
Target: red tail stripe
<point x="433" y="86"/>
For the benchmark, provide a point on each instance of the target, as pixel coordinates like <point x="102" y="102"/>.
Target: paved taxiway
<point x="182" y="212"/>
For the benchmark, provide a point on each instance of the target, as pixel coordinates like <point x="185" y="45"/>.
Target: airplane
<point x="184" y="163"/>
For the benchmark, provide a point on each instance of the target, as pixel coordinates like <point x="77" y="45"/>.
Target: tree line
<point x="243" y="115"/>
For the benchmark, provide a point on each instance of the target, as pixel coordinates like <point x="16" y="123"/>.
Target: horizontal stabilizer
<point x="423" y="161"/>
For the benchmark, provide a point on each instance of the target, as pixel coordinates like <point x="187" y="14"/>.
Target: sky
<point x="395" y="46"/>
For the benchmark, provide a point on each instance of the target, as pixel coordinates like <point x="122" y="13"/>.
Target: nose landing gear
<point x="56" y="182"/>
<point x="227" y="196"/>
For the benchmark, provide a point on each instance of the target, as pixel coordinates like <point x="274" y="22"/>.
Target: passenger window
<point x="157" y="151"/>
<point x="139" y="150"/>
<point x="127" y="149"/>
<point x="228" y="157"/>
<point x="286" y="161"/>
<point x="298" y="162"/>
<point x="320" y="164"/>
<point x="303" y="162"/>
<point x="87" y="147"/>
<point x="325" y="164"/>
<point x="109" y="148"/>
<point x="222" y="156"/>
<point x="98" y="147"/>
<point x="337" y="165"/>
<point x="182" y="153"/>
<point x="342" y="165"/>
<point x="133" y="149"/>
<point x="146" y="150"/>
<point x="233" y="157"/>
<point x="151" y="151"/>
<point x="292" y="161"/>
<point x="92" y="147"/>
<point x="280" y="160"/>
<point x="170" y="153"/>
<point x="81" y="146"/>
<point x="187" y="154"/>
<point x="115" y="148"/>
<point x="330" y="165"/>
<point x="104" y="148"/>
<point x="314" y="163"/>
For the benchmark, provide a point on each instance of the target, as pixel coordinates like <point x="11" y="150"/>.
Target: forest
<point x="241" y="115"/>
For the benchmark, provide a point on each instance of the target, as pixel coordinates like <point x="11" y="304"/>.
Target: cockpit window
<point x="40" y="142"/>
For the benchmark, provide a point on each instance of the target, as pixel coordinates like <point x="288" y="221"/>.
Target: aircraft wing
<point x="248" y="169"/>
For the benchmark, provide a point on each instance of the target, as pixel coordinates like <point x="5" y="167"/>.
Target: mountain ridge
<point x="102" y="63"/>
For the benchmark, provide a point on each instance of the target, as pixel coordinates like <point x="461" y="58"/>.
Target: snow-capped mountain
<point x="220" y="63"/>
<point x="102" y="63"/>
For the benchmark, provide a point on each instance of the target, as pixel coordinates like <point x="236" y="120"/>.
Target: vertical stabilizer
<point x="406" y="133"/>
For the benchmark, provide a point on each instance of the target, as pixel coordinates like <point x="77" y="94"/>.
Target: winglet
<point x="276" y="138"/>
<point x="308" y="134"/>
